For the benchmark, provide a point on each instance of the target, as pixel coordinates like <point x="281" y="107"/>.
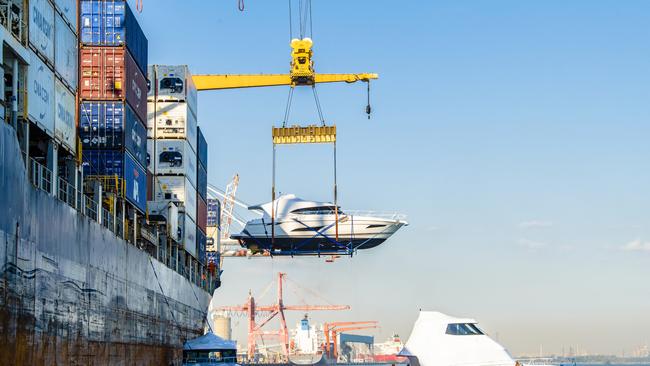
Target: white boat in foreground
<point x="310" y="226"/>
<point x="441" y="340"/>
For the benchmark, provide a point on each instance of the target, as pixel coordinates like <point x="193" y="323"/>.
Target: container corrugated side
<point x="41" y="27"/>
<point x="175" y="121"/>
<point x="174" y="83"/>
<point x="68" y="8"/>
<point x="201" y="240"/>
<point x="189" y="234"/>
<point x="176" y="189"/>
<point x="66" y="55"/>
<point x="175" y="157"/>
<point x="201" y="213"/>
<point x="202" y="147"/>
<point x="112" y="125"/>
<point x="202" y="182"/>
<point x="112" y="23"/>
<point x="40" y="94"/>
<point x="65" y="116"/>
<point x="109" y="73"/>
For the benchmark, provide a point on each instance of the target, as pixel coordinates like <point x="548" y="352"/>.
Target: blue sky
<point x="513" y="134"/>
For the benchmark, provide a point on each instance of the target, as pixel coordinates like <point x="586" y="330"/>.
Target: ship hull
<point x="73" y="293"/>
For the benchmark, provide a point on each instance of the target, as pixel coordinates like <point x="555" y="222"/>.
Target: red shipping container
<point x="201" y="213"/>
<point x="110" y="73"/>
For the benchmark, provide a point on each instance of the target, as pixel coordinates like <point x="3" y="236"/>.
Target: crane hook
<point x="368" y="108"/>
<point x="240" y="5"/>
<point x="138" y="6"/>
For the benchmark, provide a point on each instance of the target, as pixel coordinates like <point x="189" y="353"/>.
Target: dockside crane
<point x="251" y="310"/>
<point x="331" y="331"/>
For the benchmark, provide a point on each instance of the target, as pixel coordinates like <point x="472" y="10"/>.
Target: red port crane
<point x="255" y="329"/>
<point x="331" y="331"/>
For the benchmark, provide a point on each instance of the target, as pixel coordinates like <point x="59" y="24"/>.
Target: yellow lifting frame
<point x="304" y="135"/>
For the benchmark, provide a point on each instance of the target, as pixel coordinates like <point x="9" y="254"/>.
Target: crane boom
<point x="301" y="73"/>
<point x="237" y="81"/>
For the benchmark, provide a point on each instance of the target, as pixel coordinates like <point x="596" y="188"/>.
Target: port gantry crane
<point x="332" y="330"/>
<point x="251" y="309"/>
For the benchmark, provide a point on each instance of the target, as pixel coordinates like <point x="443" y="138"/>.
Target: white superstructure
<point x="442" y="340"/>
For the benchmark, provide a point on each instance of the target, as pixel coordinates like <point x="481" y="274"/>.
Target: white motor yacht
<point x="309" y="226"/>
<point x="441" y="340"/>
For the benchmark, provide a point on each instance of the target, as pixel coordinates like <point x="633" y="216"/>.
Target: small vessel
<point x="310" y="226"/>
<point x="210" y="349"/>
<point x="438" y="339"/>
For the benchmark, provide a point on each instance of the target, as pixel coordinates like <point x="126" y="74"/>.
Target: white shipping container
<point x="40" y="94"/>
<point x="65" y="116"/>
<point x="175" y="84"/>
<point x="66" y="57"/>
<point x="175" y="121"/>
<point x="189" y="234"/>
<point x="69" y="10"/>
<point x="169" y="211"/>
<point x="175" y="157"/>
<point x="151" y="120"/>
<point x="151" y="144"/>
<point x="177" y="189"/>
<point x="41" y="27"/>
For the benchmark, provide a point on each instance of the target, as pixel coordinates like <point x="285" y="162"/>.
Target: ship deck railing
<point x="379" y="214"/>
<point x="12" y="17"/>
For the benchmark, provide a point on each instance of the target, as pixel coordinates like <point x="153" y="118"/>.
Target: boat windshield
<point x="318" y="210"/>
<point x="463" y="329"/>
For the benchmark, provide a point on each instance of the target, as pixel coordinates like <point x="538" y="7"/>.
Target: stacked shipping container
<point x="173" y="148"/>
<point x="51" y="80"/>
<point x="202" y="195"/>
<point x="112" y="108"/>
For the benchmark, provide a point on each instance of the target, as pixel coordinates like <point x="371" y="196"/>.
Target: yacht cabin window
<point x="318" y="210"/>
<point x="463" y="329"/>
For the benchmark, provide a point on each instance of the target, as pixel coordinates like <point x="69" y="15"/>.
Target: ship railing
<point x="379" y="214"/>
<point x="67" y="193"/>
<point x="90" y="208"/>
<point x="12" y="18"/>
<point x="40" y="176"/>
<point x="108" y="219"/>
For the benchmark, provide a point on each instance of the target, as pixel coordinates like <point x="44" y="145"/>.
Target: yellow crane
<point x="301" y="73"/>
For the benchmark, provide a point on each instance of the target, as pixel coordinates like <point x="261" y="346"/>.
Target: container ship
<point x="103" y="180"/>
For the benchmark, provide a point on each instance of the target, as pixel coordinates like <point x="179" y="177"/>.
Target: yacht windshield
<point x="318" y="210"/>
<point x="463" y="329"/>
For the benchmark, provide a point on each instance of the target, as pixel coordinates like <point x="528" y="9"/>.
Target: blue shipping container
<point x="111" y="162"/>
<point x="202" y="182"/>
<point x="112" y="126"/>
<point x="214" y="212"/>
<point x="202" y="149"/>
<point x="136" y="183"/>
<point x="201" y="241"/>
<point x="112" y="23"/>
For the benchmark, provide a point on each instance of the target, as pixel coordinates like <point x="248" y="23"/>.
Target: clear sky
<point x="514" y="134"/>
